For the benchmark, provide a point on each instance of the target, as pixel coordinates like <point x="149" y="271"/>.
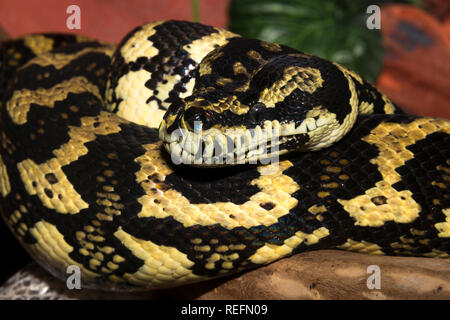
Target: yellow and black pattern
<point x="298" y="100"/>
<point x="160" y="59"/>
<point x="80" y="185"/>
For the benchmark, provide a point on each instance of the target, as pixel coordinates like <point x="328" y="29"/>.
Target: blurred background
<point x="408" y="58"/>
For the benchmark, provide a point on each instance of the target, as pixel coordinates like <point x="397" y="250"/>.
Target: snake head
<point x="267" y="101"/>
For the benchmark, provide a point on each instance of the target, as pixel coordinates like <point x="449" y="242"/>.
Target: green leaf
<point x="332" y="29"/>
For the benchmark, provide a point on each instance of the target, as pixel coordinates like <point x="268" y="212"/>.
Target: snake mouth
<point x="213" y="147"/>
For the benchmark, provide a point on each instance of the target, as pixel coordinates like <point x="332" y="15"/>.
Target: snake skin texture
<point x="85" y="180"/>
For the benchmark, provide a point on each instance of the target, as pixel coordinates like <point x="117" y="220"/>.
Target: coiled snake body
<point x="85" y="180"/>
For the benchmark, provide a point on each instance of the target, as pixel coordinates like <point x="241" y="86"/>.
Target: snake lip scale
<point x="87" y="178"/>
<point x="235" y="146"/>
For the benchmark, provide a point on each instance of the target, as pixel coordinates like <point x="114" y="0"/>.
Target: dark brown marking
<point x="49" y="193"/>
<point x="268" y="205"/>
<point x="379" y="200"/>
<point x="51" y="178"/>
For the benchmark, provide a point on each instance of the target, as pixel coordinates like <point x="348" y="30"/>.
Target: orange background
<point x="108" y="20"/>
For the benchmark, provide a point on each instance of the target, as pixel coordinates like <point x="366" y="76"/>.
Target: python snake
<point x="86" y="178"/>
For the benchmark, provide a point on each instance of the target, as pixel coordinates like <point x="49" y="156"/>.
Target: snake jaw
<point x="238" y="145"/>
<point x="193" y="135"/>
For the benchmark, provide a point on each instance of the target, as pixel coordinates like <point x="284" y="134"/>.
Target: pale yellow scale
<point x="393" y="139"/>
<point x="163" y="265"/>
<point x="131" y="87"/>
<point x="275" y="186"/>
<point x="5" y="185"/>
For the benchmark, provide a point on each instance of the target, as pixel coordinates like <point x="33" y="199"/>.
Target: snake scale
<point x="87" y="179"/>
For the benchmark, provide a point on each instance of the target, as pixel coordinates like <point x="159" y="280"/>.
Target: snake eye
<point x="255" y="112"/>
<point x="195" y="118"/>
